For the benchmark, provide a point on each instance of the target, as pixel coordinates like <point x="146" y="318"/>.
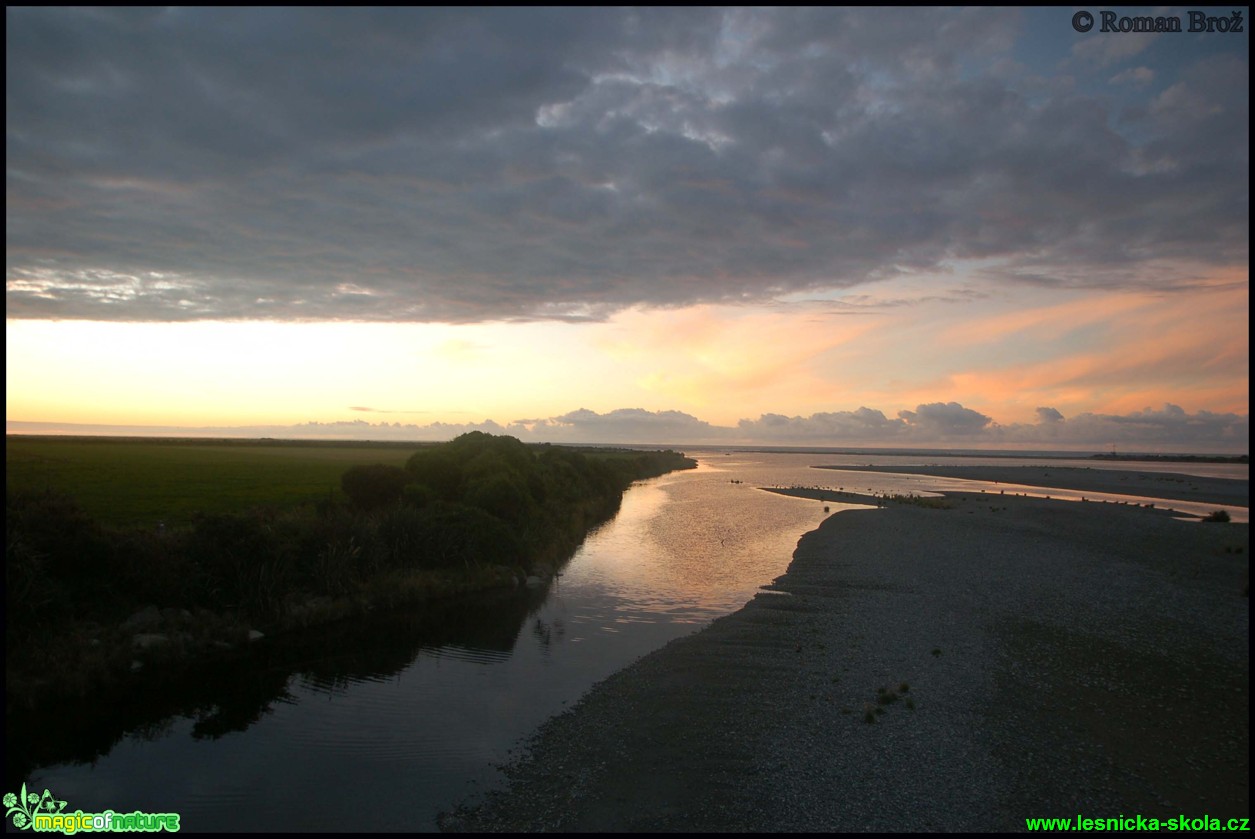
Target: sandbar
<point x="1114" y="481"/>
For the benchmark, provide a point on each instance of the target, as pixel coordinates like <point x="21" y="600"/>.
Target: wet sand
<point x="1027" y="658"/>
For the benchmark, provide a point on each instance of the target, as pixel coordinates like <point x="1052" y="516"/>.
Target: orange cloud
<point x="1046" y="323"/>
<point x="1102" y="352"/>
<point x="729" y="359"/>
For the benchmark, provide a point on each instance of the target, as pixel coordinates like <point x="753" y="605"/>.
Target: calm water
<point x="383" y="724"/>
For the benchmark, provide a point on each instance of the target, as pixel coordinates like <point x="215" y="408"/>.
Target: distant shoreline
<point x="1222" y="491"/>
<point x="1175" y="458"/>
<point x="1004" y="455"/>
<point x="214" y="435"/>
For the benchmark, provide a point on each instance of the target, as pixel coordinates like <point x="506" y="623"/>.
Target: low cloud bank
<point x="952" y="424"/>
<point x="937" y="424"/>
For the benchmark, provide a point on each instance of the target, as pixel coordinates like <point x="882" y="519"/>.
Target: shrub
<point x="501" y="495"/>
<point x="418" y="495"/>
<point x="374" y="486"/>
<point x="398" y="538"/>
<point x="58" y="561"/>
<point x="28" y="591"/>
<point x="439" y="469"/>
<point x="152" y="567"/>
<point x="335" y="566"/>
<point x="74" y="546"/>
<point x="244" y="563"/>
<point x="453" y="535"/>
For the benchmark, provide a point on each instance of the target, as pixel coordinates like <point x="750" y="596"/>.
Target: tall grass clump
<point x="244" y="564"/>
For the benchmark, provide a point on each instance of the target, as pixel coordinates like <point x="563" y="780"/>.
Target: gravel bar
<point x="1118" y="481"/>
<point x="921" y="669"/>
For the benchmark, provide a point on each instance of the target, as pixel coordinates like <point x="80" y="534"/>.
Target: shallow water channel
<point x="382" y="724"/>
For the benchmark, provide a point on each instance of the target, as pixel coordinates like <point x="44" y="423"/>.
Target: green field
<point x="126" y="481"/>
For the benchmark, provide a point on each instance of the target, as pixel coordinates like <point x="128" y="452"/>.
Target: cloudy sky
<point x="823" y="227"/>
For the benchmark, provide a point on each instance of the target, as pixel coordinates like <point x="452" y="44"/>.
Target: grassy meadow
<point x="127" y="482"/>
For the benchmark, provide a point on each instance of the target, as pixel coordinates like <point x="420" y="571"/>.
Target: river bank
<point x="1015" y="659"/>
<point x="93" y="608"/>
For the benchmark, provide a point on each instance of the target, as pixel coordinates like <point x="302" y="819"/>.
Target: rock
<point x="144" y="618"/>
<point x="148" y="640"/>
<point x="310" y="607"/>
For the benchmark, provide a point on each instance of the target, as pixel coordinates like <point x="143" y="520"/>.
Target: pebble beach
<point x="920" y="668"/>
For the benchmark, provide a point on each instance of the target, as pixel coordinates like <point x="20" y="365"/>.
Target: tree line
<point x="456" y="512"/>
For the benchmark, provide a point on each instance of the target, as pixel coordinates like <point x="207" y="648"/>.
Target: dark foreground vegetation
<point x="88" y="603"/>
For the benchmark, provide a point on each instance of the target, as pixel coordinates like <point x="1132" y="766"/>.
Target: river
<point x="382" y="724"/>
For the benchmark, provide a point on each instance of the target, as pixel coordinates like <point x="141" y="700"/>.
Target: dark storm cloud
<point x="441" y="164"/>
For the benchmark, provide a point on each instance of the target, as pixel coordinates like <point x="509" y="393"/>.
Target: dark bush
<point x="398" y="538"/>
<point x="438" y="469"/>
<point x="58" y="561"/>
<point x="335" y="567"/>
<point x="454" y="535"/>
<point x="503" y="495"/>
<point x="153" y="567"/>
<point x="419" y="495"/>
<point x="243" y="562"/>
<point x="374" y="486"/>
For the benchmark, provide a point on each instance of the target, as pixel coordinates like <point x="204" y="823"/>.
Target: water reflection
<point x="227" y="696"/>
<point x="407" y="711"/>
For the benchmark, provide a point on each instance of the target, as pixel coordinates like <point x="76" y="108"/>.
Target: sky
<point x="969" y="229"/>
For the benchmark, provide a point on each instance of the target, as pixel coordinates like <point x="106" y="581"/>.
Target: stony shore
<point x="1016" y="659"/>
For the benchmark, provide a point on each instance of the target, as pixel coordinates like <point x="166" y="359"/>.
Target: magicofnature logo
<point x="24" y="807"/>
<point x="46" y="814"/>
